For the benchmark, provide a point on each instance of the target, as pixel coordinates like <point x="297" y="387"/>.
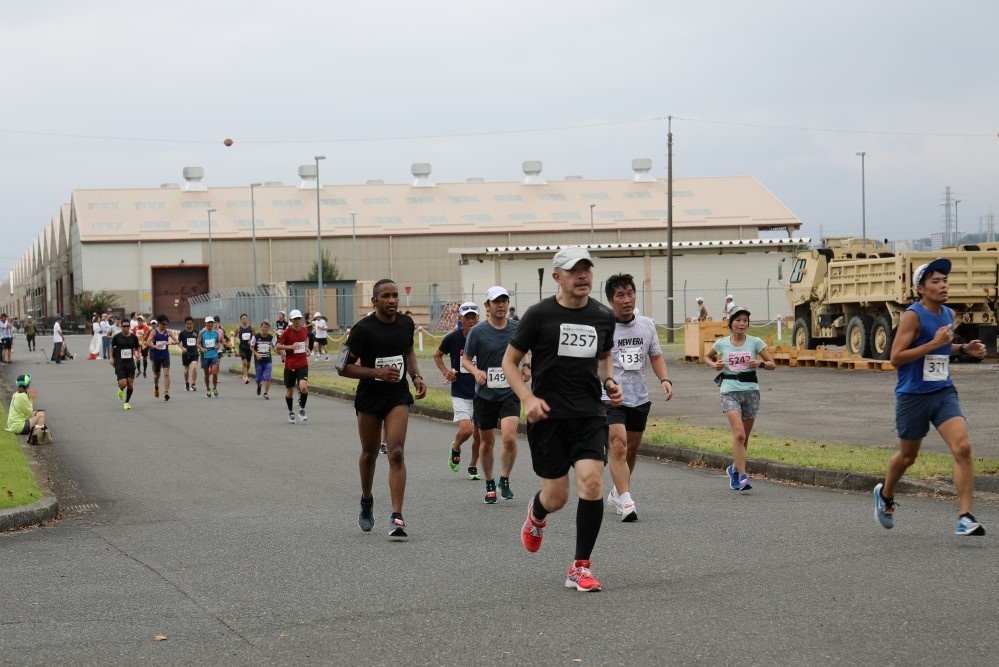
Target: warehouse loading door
<point x="173" y="286"/>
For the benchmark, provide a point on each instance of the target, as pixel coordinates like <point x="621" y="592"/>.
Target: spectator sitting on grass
<point x="22" y="418"/>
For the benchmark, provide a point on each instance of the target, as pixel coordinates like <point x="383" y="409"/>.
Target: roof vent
<point x="532" y="173"/>
<point x="475" y="179"/>
<point x="193" y="176"/>
<point x="573" y="178"/>
<point x="374" y="181"/>
<point x="308" y="173"/>
<point x="642" y="167"/>
<point x="421" y="175"/>
<point x="170" y="186"/>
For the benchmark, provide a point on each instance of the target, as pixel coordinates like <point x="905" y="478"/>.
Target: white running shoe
<point x="614" y="499"/>
<point x="629" y="512"/>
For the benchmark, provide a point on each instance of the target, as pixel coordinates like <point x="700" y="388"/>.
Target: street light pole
<point x="591" y="223"/>
<point x="863" y="198"/>
<point x="253" y="224"/>
<point x="353" y="243"/>
<point x="211" y="284"/>
<point x="319" y="240"/>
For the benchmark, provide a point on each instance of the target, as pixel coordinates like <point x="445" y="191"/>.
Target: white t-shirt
<point x="321" y="328"/>
<point x="57" y="332"/>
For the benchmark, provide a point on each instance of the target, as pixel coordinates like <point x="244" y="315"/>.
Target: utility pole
<point x="669" y="230"/>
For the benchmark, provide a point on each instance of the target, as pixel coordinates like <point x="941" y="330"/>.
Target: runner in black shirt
<point x="189" y="356"/>
<point x="125" y="349"/>
<point x="379" y="352"/>
<point x="570" y="337"/>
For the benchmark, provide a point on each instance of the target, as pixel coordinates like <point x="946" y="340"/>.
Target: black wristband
<point x="610" y="380"/>
<point x="666" y="380"/>
<point x="417" y="376"/>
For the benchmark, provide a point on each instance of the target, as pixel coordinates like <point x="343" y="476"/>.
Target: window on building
<point x="567" y="215"/>
<point x="103" y="206"/>
<point x="142" y="205"/>
<point x="296" y="222"/>
<point x="333" y="202"/>
<point x="553" y="197"/>
<point x="465" y="199"/>
<point x="609" y="215"/>
<point x="377" y="201"/>
<point x="504" y="198"/>
<point x="477" y="217"/>
<point x="653" y="213"/>
<point x="287" y="202"/>
<point x="420" y="200"/>
<point x="430" y="219"/>
<point x="594" y="196"/>
<point x="109" y="226"/>
<point x="642" y="194"/>
<point x="521" y="217"/>
<point x="387" y="219"/>
<point x="195" y="204"/>
<point x="155" y="224"/>
<point x="697" y="212"/>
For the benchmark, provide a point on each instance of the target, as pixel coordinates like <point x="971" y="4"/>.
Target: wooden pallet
<point x="821" y="357"/>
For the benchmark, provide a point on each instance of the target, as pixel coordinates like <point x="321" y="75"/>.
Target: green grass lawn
<point x="17" y="481"/>
<point x="822" y="455"/>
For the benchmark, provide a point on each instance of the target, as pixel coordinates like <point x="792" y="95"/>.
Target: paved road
<point x="219" y="526"/>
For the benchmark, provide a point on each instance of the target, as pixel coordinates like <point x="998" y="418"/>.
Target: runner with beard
<point x="382" y="347"/>
<point x="570" y="337"/>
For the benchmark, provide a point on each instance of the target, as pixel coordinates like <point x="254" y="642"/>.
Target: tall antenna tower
<point x="990" y="226"/>
<point x="950" y="231"/>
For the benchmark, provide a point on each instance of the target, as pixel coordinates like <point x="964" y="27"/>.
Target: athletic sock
<point x="290" y="402"/>
<point x="625" y="498"/>
<point x="302" y="398"/>
<point x="128" y="395"/>
<point x="504" y="481"/>
<point x="589" y="515"/>
<point x="539" y="511"/>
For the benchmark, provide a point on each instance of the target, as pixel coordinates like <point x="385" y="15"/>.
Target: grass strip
<point x="805" y="453"/>
<point x="17" y="482"/>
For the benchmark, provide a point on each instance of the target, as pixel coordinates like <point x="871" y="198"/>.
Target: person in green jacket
<point x="22" y="418"/>
<point x="29" y="333"/>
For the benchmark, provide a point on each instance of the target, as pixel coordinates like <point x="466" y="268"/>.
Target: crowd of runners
<point x="575" y="367"/>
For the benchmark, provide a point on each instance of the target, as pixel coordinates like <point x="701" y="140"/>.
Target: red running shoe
<point x="532" y="532"/>
<point x="581" y="578"/>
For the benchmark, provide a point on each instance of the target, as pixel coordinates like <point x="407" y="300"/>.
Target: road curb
<point x="37" y="512"/>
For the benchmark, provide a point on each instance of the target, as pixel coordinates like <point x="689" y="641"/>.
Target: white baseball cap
<point x="942" y="265"/>
<point x="729" y="297"/>
<point x="318" y="314"/>
<point x="496" y="292"/>
<point x="468" y="307"/>
<point x="209" y="319"/>
<point x="295" y="314"/>
<point x="153" y="322"/>
<point x="699" y="300"/>
<point x="566" y="258"/>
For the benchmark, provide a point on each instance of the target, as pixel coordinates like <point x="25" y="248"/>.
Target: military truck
<point x="852" y="292"/>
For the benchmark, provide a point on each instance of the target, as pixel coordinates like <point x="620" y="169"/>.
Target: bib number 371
<point x="577" y="340"/>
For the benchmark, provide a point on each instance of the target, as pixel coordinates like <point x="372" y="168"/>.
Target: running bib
<point x="161" y="345"/>
<point x="739" y="361"/>
<point x="209" y="343"/>
<point x="192" y="342"/>
<point x="245" y="336"/>
<point x="577" y="340"/>
<point x="936" y="367"/>
<point x="631" y="358"/>
<point x="301" y="347"/>
<point x="391" y="362"/>
<point x="263" y="347"/>
<point x="496" y="379"/>
<point x="461" y="367"/>
<point x="126" y="353"/>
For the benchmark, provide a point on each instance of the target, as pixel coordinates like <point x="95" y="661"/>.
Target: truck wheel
<point x="801" y="335"/>
<point x="858" y="335"/>
<point x="882" y="336"/>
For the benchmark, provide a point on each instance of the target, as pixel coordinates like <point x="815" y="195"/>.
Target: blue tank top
<point x="912" y="377"/>
<point x="210" y="341"/>
<point x="160" y="353"/>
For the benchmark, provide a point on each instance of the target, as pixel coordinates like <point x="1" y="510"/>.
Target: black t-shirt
<point x="454" y="346"/>
<point x="564" y="345"/>
<point x="244" y="334"/>
<point x="125" y="348"/>
<point x="263" y="344"/>
<point x="377" y="344"/>
<point x="189" y="340"/>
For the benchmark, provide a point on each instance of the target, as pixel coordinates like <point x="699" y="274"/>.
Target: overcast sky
<point x="104" y="94"/>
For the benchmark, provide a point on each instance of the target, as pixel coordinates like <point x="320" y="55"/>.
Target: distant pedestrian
<point x="57" y="340"/>
<point x="244" y="334"/>
<point x="105" y="325"/>
<point x="729" y="305"/>
<point x="322" y="334"/>
<point x="702" y="310"/>
<point x="925" y="393"/>
<point x="6" y="339"/>
<point x="512" y="315"/>
<point x="738" y="357"/>
<point x="30" y="329"/>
